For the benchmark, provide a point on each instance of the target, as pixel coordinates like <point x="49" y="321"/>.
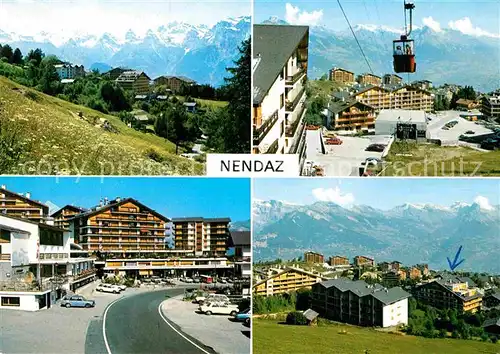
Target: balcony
<point x="292" y="80"/>
<point x="290" y="106"/>
<point x="5" y="257"/>
<point x="84" y="274"/>
<point x="260" y="133"/>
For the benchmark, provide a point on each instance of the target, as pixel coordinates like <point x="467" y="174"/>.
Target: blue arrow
<point x="455" y="264"/>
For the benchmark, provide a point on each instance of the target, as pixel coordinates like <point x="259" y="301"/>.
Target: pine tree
<point x="17" y="57"/>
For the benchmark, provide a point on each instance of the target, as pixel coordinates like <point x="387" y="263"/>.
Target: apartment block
<point x="369" y="79"/>
<point x="490" y="106"/>
<point x="449" y="294"/>
<point x="358" y="303"/>
<point x="414" y="273"/>
<point x="424" y="268"/>
<point x="314" y="258"/>
<point x="423" y="84"/>
<point x="135" y="81"/>
<point x="342" y="76"/>
<point x="69" y="71"/>
<point x="204" y="237"/>
<point x="405" y="98"/>
<point x="121" y="226"/>
<point x="279" y="281"/>
<point x="114" y="73"/>
<point x="339" y="261"/>
<point x="279" y="77"/>
<point x="362" y="261"/>
<point x="350" y="116"/>
<point x="22" y="206"/>
<point x="174" y="83"/>
<point x="62" y="216"/>
<point x="392" y="79"/>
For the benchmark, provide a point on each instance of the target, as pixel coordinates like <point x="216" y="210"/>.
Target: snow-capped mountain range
<point x="410" y="233"/>
<point x="199" y="52"/>
<point x="446" y="56"/>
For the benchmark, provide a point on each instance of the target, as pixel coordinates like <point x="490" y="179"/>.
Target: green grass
<point x="269" y="337"/>
<point x="57" y="141"/>
<point x="412" y="159"/>
<point x="207" y="103"/>
<point x="324" y="87"/>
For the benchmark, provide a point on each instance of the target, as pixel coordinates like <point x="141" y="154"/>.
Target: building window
<point x="282" y="128"/>
<point x="11" y="301"/>
<point x="282" y="74"/>
<point x="51" y="237"/>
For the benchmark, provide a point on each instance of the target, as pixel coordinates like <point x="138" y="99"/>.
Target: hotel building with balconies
<point x="202" y="236"/>
<point x="279" y="78"/>
<point x="62" y="216"/>
<point x="121" y="226"/>
<point x="22" y="206"/>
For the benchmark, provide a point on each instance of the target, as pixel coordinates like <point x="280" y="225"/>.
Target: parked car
<point x="243" y="316"/>
<point x="375" y="147"/>
<point x="333" y="141"/>
<point x="76" y="301"/>
<point x="108" y="288"/>
<point x="372" y="161"/>
<point x="470" y="132"/>
<point x="212" y="298"/>
<point x="219" y="308"/>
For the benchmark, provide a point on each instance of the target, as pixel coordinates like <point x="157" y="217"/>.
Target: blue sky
<point x="116" y="17"/>
<point x="383" y="193"/>
<point x="465" y="15"/>
<point x="172" y="197"/>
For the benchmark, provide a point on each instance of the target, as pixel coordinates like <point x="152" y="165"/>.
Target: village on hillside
<point x="348" y="124"/>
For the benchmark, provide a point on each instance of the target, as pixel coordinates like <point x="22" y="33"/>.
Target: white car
<point x="188" y="280"/>
<point x="219" y="308"/>
<point x="212" y="298"/>
<point x="108" y="288"/>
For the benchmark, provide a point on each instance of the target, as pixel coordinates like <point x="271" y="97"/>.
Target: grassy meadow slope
<point x="48" y="135"/>
<point x="270" y="337"/>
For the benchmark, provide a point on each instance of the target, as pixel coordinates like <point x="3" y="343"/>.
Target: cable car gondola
<point x="403" y="48"/>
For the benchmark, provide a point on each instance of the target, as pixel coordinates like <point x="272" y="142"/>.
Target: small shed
<point x="311" y="316"/>
<point x="190" y="107"/>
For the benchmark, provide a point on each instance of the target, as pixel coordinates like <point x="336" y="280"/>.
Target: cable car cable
<point x="356" y="38"/>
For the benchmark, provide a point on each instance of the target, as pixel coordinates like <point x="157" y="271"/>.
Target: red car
<point x="334" y="141"/>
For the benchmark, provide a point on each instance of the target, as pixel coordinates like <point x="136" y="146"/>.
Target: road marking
<point x="104" y="324"/>
<point x="179" y="333"/>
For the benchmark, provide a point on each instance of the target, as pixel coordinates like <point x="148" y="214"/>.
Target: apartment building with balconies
<point x="202" y="236"/>
<point x="314" y="257"/>
<point x="121" y="226"/>
<point x="134" y="81"/>
<point x="363" y="261"/>
<point x="62" y="216"/>
<point x="339" y="261"/>
<point x="490" y="106"/>
<point x="69" y="71"/>
<point x="350" y="117"/>
<point x="392" y="79"/>
<point x="342" y="76"/>
<point x="279" y="78"/>
<point x="369" y="79"/>
<point x="400" y="97"/>
<point x="359" y="303"/>
<point x="280" y="281"/>
<point x="450" y="294"/>
<point x="22" y="206"/>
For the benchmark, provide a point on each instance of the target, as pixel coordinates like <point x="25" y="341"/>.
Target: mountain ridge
<point x="410" y="233"/>
<point x="176" y="48"/>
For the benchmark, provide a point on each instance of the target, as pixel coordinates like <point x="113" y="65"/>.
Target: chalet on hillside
<point x="114" y="73"/>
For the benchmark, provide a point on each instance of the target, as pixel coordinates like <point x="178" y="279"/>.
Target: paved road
<point x="133" y="325"/>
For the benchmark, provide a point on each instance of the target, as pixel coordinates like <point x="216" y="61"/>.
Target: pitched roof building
<point x="22" y="206"/>
<point x="136" y="81"/>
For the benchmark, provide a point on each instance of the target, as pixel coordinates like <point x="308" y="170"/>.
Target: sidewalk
<point x="218" y="332"/>
<point x="87" y="290"/>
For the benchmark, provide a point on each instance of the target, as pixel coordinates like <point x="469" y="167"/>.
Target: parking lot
<point x="217" y="331"/>
<point x="344" y="159"/>
<point x="451" y="136"/>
